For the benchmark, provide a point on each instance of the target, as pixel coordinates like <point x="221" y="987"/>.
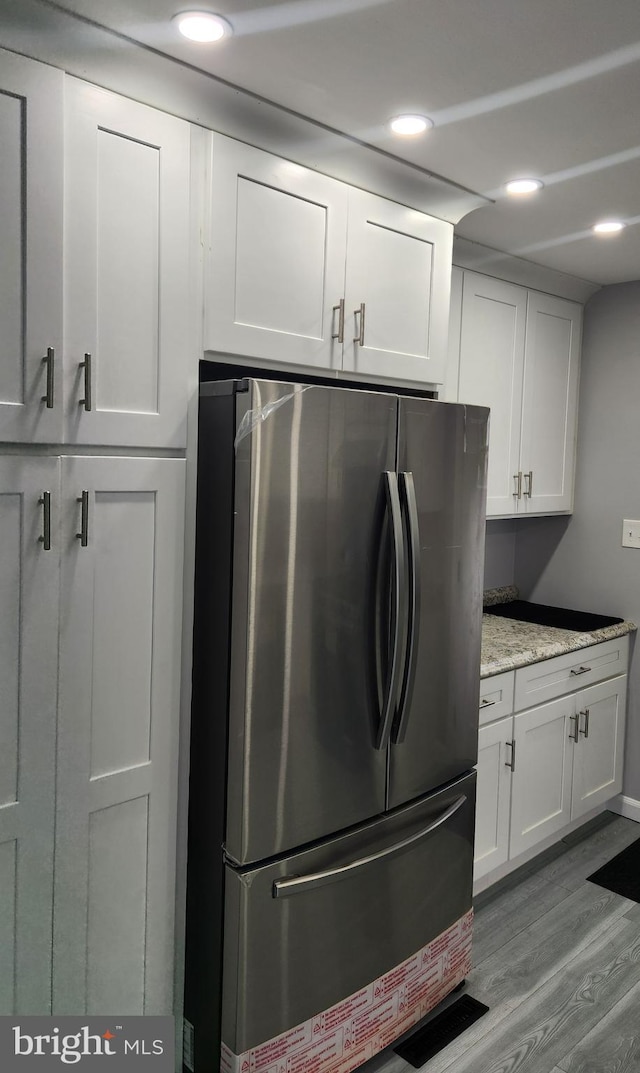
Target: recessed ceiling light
<point x="608" y="227"/>
<point x="410" y="124"/>
<point x="523" y="186"/>
<point x="202" y="25"/>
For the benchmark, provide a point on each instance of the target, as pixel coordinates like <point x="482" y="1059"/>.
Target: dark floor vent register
<point x="444" y="1028"/>
<point x="622" y="874"/>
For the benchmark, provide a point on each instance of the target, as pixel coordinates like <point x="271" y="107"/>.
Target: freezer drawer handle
<point x="283" y="888"/>
<point x="395" y="665"/>
<point x="413" y="621"/>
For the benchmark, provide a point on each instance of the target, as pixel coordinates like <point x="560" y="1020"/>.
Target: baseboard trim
<point x="625" y="806"/>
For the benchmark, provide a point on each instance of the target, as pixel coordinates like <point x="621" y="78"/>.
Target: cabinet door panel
<point x="493" y="797"/>
<point x="399" y="266"/>
<point x="550" y="394"/>
<point x="30" y="247"/>
<point x="541" y="795"/>
<point x="276" y="262"/>
<point x="127" y="199"/>
<point x="597" y="765"/>
<point x="117" y="739"/>
<point x="491" y="355"/>
<point x="28" y="672"/>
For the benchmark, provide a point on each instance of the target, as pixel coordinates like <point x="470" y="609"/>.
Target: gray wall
<point x="500" y="554"/>
<point x="579" y="562"/>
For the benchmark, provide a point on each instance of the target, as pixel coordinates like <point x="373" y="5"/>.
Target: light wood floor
<point x="557" y="960"/>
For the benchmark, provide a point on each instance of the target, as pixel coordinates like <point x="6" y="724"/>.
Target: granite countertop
<point x="508" y="643"/>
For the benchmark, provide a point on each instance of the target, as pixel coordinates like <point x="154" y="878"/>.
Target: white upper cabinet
<point x="549" y="410"/>
<point x="126" y="261"/>
<point x="31" y="118"/>
<point x="519" y="354"/>
<point x="492" y="334"/>
<point x="303" y="269"/>
<point x="276" y="261"/>
<point x="398" y="268"/>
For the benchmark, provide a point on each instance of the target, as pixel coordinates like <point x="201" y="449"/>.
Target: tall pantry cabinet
<point x="92" y="406"/>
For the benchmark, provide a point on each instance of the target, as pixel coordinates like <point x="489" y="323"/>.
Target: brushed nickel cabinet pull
<point x="45" y="503"/>
<point x="512" y="762"/>
<point x="359" y="338"/>
<point x="528" y="491"/>
<point x="580" y="670"/>
<point x="49" y="361"/>
<point x="83" y="535"/>
<point x="586" y="722"/>
<point x="87" y="400"/>
<point x="484" y="703"/>
<point x="518" y="490"/>
<point x="339" y="335"/>
<point x="575" y="719"/>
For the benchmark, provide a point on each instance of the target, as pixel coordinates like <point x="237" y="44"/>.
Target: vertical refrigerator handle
<point x="410" y="507"/>
<point x="394" y="669"/>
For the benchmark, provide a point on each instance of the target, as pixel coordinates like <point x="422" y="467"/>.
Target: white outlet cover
<point x="630" y="533"/>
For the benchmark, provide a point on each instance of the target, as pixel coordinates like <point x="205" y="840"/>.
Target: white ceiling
<point x="549" y="88"/>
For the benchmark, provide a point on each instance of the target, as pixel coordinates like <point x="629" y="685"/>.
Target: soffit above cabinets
<point x="545" y="88"/>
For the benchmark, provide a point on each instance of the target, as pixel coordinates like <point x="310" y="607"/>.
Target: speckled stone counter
<point x="508" y="643"/>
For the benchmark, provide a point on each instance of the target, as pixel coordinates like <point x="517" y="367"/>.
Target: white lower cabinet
<point x="541" y="789"/>
<point x="91" y="584"/>
<point x="599" y="752"/>
<point x="493" y="802"/>
<point x="28" y="669"/>
<point x="543" y="768"/>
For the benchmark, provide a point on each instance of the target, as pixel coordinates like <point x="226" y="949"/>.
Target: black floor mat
<point x="622" y="874"/>
<point x="440" y="1031"/>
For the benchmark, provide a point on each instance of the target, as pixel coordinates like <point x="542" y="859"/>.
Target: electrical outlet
<point x="630" y="533"/>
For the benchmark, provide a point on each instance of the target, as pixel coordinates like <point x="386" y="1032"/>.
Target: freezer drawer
<point x="305" y="932"/>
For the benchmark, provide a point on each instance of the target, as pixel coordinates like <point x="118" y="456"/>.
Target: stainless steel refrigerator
<point x="340" y="539"/>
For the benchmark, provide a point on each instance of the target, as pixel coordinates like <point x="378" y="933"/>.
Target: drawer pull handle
<point x="580" y="670"/>
<point x="574" y="719"/>
<point x="484" y="703"/>
<point x="586" y="722"/>
<point x="512" y="762"/>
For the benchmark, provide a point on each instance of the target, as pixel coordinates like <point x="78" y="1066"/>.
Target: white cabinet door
<point x="491" y="353"/>
<point x="549" y="407"/>
<point x="120" y="622"/>
<point x="28" y="673"/>
<point x="275" y="267"/>
<point x="541" y="794"/>
<point x="30" y="250"/>
<point x="495" y="750"/>
<point x="126" y="271"/>
<point x="598" y="755"/>
<point x="397" y="291"/>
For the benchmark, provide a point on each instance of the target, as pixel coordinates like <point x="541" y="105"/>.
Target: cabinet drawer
<point x="551" y="678"/>
<point x="496" y="697"/>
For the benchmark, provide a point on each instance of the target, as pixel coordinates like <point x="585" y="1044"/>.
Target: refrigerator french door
<point x="336" y="655"/>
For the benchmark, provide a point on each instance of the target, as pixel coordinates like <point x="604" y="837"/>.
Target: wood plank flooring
<point x="557" y="960"/>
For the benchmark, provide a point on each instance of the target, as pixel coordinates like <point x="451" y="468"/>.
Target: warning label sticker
<point x="340" y="1039"/>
